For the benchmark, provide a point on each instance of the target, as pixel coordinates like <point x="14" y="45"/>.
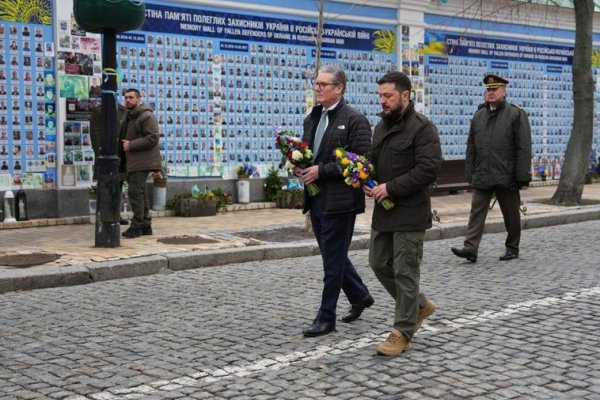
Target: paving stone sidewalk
<point x="524" y="329"/>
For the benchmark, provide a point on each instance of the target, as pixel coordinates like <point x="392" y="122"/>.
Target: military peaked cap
<point x="494" y="81"/>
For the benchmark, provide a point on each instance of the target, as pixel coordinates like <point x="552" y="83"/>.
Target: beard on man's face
<point x="395" y="110"/>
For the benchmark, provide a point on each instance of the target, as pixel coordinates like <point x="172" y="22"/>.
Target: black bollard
<point x="109" y="196"/>
<point x="109" y="17"/>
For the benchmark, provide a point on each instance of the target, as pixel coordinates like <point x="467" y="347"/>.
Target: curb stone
<point x="127" y="268"/>
<point x="18" y="280"/>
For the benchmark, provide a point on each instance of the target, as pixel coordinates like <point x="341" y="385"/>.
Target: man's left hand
<point x="125" y="145"/>
<point x="380" y="193"/>
<point x="310" y="174"/>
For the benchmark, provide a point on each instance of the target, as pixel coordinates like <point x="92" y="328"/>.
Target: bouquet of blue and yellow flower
<point x="245" y="170"/>
<point x="295" y="153"/>
<point x="357" y="170"/>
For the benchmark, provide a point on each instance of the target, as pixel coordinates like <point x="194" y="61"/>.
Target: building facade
<point x="222" y="76"/>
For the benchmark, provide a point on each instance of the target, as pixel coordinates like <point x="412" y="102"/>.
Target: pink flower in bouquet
<point x="357" y="170"/>
<point x="294" y="153"/>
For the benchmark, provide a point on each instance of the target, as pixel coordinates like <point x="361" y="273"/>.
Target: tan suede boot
<point x="424" y="313"/>
<point x="395" y="344"/>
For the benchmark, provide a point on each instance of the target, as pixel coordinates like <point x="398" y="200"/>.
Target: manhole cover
<point x="186" y="240"/>
<point x="27" y="260"/>
<point x="288" y="234"/>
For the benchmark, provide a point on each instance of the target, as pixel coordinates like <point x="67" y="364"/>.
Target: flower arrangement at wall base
<point x="159" y="192"/>
<point x="223" y="198"/>
<point x="159" y="179"/>
<point x="290" y="198"/>
<point x="194" y="203"/>
<point x="245" y="171"/>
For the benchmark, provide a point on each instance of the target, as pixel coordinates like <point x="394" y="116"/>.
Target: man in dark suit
<point x="331" y="124"/>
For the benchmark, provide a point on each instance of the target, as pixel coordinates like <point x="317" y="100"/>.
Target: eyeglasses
<point x="321" y="85"/>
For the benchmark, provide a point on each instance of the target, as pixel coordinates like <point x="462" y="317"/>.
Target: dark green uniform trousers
<point x="138" y="199"/>
<point x="395" y="257"/>
<point x="509" y="201"/>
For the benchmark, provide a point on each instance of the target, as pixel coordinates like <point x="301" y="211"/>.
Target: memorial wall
<point x="222" y="79"/>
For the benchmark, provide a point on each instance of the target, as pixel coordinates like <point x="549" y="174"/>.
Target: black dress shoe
<point x="508" y="256"/>
<point x="132" y="233"/>
<point x="147" y="230"/>
<point x="319" y="328"/>
<point x="356" y="310"/>
<point x="462" y="253"/>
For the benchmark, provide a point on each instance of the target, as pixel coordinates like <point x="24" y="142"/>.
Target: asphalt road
<point x="524" y="329"/>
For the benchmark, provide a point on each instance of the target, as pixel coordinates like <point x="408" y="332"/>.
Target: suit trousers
<point x="395" y="257"/>
<point x="509" y="201"/>
<point x="138" y="199"/>
<point x="334" y="235"/>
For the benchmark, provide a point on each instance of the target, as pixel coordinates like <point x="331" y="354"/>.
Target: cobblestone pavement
<point x="524" y="329"/>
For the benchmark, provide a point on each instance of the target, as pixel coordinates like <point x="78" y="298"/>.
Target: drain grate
<point x="186" y="240"/>
<point x="27" y="260"/>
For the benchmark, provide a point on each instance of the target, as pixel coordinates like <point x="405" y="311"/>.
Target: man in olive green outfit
<point x="497" y="163"/>
<point x="140" y="129"/>
<point x="407" y="157"/>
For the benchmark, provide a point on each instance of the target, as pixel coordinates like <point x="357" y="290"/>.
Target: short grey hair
<point x="339" y="76"/>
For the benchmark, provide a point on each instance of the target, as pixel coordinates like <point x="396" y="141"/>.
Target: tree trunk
<point x="570" y="186"/>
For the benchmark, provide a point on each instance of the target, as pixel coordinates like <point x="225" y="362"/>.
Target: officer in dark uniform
<point x="497" y="163"/>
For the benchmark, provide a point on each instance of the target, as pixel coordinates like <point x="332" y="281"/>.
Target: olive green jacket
<point x="140" y="127"/>
<point x="407" y="157"/>
<point x="499" y="147"/>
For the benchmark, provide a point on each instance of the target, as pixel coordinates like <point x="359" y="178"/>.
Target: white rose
<point x="296" y="155"/>
<point x="308" y="153"/>
<point x="289" y="165"/>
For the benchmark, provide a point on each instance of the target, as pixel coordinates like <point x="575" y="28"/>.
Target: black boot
<point x="132" y="233"/>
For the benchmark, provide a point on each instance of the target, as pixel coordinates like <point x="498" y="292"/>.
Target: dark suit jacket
<point x="347" y="128"/>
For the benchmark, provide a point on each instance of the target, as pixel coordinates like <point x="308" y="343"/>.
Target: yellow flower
<point x="359" y="165"/>
<point x="346" y="172"/>
<point x="345" y="161"/>
<point x="338" y="153"/>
